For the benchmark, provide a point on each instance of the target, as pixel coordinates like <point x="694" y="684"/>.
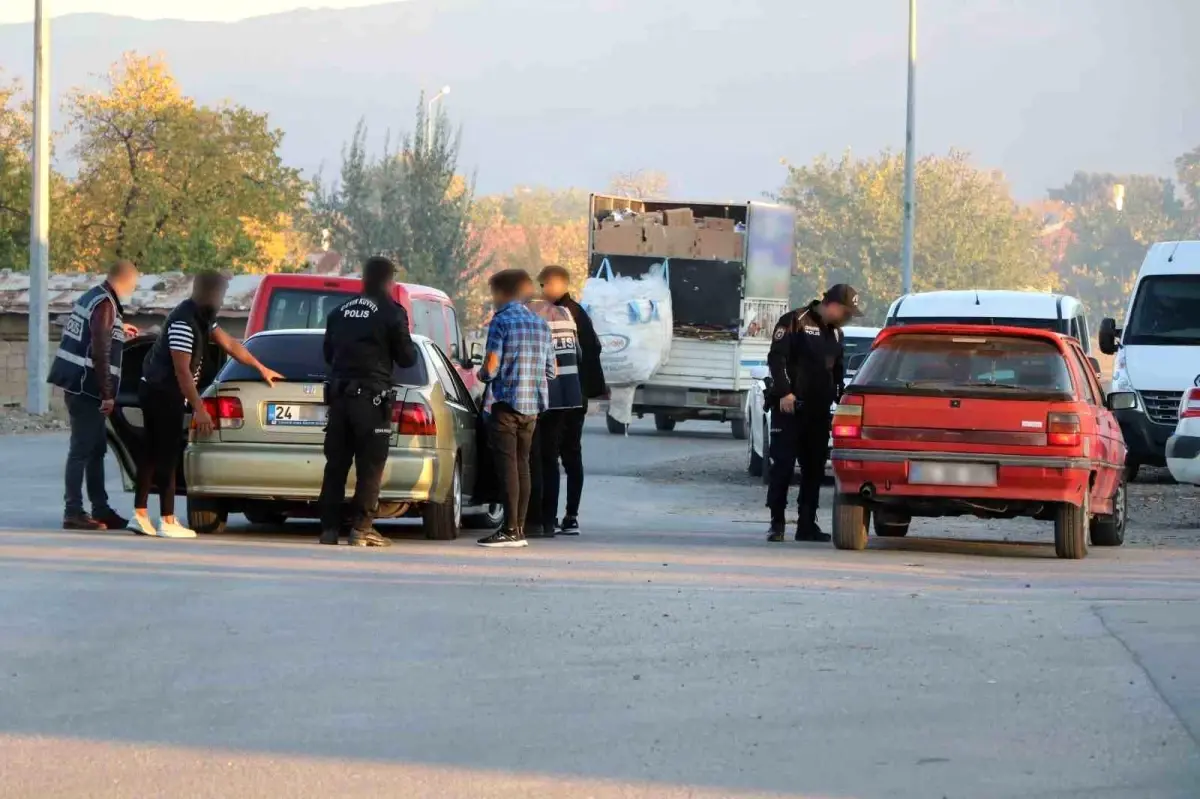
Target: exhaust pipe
<point x="867" y="492"/>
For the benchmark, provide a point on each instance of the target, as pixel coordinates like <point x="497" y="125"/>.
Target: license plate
<point x="952" y="474"/>
<point x="280" y="415"/>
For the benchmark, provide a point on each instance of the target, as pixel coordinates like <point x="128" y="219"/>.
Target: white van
<point x="1158" y="350"/>
<point x="1057" y="312"/>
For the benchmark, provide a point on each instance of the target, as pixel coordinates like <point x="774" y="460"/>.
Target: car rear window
<point x="965" y="364"/>
<point x="301" y="358"/>
<point x="302" y="309"/>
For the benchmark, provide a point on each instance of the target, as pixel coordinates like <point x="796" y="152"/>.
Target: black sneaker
<point x="775" y="533"/>
<point x="111" y="519"/>
<point x="330" y="537"/>
<point x="504" y="539"/>
<point x="84" y="522"/>
<point x="811" y="533"/>
<point x="368" y="538"/>
<point x="570" y="526"/>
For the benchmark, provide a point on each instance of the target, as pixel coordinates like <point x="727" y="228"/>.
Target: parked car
<point x="995" y="422"/>
<point x="301" y="302"/>
<point x="857" y="343"/>
<point x="1158" y="351"/>
<point x="264" y="458"/>
<point x="1183" y="448"/>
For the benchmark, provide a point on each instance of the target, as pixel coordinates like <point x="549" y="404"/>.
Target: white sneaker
<point x="174" y="530"/>
<point x="141" y="525"/>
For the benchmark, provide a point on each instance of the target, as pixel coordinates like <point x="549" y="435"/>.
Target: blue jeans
<point x="85" y="455"/>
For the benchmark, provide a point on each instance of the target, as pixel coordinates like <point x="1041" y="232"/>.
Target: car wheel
<point x="266" y="518"/>
<point x="849" y="524"/>
<point x="1131" y="471"/>
<point x="443" y="520"/>
<point x="663" y="422"/>
<point x="1071" y="530"/>
<point x="615" y="427"/>
<point x="739" y="429"/>
<point x="889" y="524"/>
<point x="1108" y="530"/>
<point x="206" y="516"/>
<point x="755" y="465"/>
<point x="489" y="519"/>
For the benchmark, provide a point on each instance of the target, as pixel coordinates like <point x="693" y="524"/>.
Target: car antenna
<point x="977" y="297"/>
<point x="1171" y="257"/>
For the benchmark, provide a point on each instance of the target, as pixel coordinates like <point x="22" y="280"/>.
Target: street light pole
<point x="37" y="398"/>
<point x="910" y="200"/>
<point x="429" y="118"/>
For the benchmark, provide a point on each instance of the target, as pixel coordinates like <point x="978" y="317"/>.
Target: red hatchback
<point x="995" y="422"/>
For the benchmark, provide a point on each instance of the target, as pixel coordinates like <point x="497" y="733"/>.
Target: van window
<point x="429" y="321"/>
<point x="1166" y="312"/>
<point x="966" y="365"/>
<point x="301" y="357"/>
<point x="455" y="333"/>
<point x="302" y="309"/>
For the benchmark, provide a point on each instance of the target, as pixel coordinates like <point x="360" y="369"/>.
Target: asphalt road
<point x="667" y="652"/>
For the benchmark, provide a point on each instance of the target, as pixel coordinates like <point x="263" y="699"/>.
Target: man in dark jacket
<point x="87" y="367"/>
<point x="556" y="285"/>
<point x="807" y="374"/>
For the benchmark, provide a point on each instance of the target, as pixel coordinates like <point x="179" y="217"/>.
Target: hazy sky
<point x="22" y="10"/>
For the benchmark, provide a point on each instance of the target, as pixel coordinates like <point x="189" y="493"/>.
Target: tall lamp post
<point x="429" y="117"/>
<point x="910" y="200"/>
<point x="37" y="397"/>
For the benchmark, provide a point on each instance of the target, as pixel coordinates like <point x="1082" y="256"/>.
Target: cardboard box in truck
<point x="719" y="245"/>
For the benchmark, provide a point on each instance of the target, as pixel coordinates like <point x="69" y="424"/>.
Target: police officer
<point x="807" y="375"/>
<point x="364" y="337"/>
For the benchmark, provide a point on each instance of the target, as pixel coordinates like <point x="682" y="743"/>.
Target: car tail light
<point x="1190" y="407"/>
<point x="413" y="419"/>
<point x="226" y="412"/>
<point x="847" y="418"/>
<point x="1062" y="430"/>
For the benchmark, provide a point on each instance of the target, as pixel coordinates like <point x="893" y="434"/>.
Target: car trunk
<point x="957" y="419"/>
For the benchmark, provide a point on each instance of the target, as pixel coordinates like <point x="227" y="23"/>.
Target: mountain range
<point x="714" y="93"/>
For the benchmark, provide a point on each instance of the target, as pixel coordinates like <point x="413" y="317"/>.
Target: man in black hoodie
<point x="556" y="285"/>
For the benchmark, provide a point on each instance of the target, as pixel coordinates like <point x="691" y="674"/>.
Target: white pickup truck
<point x="730" y="267"/>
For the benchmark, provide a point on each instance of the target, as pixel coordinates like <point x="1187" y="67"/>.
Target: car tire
<point x="889" y="524"/>
<point x="266" y="518"/>
<point x="1071" y="530"/>
<point x="663" y="423"/>
<point x="1108" y="530"/>
<point x="849" y="524"/>
<point x="443" y="520"/>
<point x="489" y="518"/>
<point x="1131" y="471"/>
<point x="756" y="464"/>
<point x="739" y="429"/>
<point x="206" y="516"/>
<point x="615" y="427"/>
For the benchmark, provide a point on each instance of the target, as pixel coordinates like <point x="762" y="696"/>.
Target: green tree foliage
<point x="172" y="184"/>
<point x="15" y="179"/>
<point x="1111" y="229"/>
<point x="1188" y="169"/>
<point x="409" y="203"/>
<point x="970" y="233"/>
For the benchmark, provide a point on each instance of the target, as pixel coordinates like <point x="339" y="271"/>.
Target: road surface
<point x="667" y="652"/>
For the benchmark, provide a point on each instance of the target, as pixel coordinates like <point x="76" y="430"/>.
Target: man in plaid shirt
<point x="517" y="369"/>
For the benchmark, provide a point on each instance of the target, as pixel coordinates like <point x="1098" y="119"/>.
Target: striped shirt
<point x="525" y="349"/>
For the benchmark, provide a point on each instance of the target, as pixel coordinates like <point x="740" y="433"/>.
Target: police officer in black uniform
<point x="364" y="337"/>
<point x="807" y="375"/>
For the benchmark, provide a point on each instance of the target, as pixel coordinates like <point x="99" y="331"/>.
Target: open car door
<point x="126" y="427"/>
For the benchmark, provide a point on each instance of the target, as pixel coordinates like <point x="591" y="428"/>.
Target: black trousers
<point x="511" y="437"/>
<point x="85" y="455"/>
<point x="798" y="438"/>
<point x="359" y="432"/>
<point x="571" y="451"/>
<point x="162" y="415"/>
<point x="543" y="468"/>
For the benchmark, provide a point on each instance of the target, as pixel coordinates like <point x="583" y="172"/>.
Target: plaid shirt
<point x="522" y="342"/>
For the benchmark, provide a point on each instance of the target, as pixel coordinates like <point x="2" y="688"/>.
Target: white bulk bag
<point x="633" y="320"/>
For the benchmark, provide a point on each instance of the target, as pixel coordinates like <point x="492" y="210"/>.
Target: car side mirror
<point x="476" y="356"/>
<point x="1110" y="336"/>
<point x="1121" y="401"/>
<point x="1095" y="362"/>
<point x="759" y="372"/>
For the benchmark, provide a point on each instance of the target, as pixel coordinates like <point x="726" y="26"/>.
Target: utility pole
<point x="37" y="399"/>
<point x="910" y="155"/>
<point x="429" y="118"/>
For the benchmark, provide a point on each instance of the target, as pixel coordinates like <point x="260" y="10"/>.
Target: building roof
<point x="156" y="295"/>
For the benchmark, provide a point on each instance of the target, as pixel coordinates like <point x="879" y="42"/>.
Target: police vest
<point x="566" y="391"/>
<point x="73" y="370"/>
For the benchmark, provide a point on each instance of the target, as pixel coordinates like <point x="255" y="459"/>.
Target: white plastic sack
<point x="633" y="320"/>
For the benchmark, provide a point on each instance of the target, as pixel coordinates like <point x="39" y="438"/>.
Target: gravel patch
<point x="15" y="421"/>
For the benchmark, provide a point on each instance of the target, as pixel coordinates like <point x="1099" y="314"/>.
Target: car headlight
<point x="1121" y="381"/>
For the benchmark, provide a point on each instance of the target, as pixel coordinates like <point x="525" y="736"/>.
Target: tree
<point x="1188" y="171"/>
<point x="171" y="184"/>
<point x="16" y="138"/>
<point x="970" y="233"/>
<point x="642" y="184"/>
<point x="409" y="203"/>
<point x="1110" y="231"/>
